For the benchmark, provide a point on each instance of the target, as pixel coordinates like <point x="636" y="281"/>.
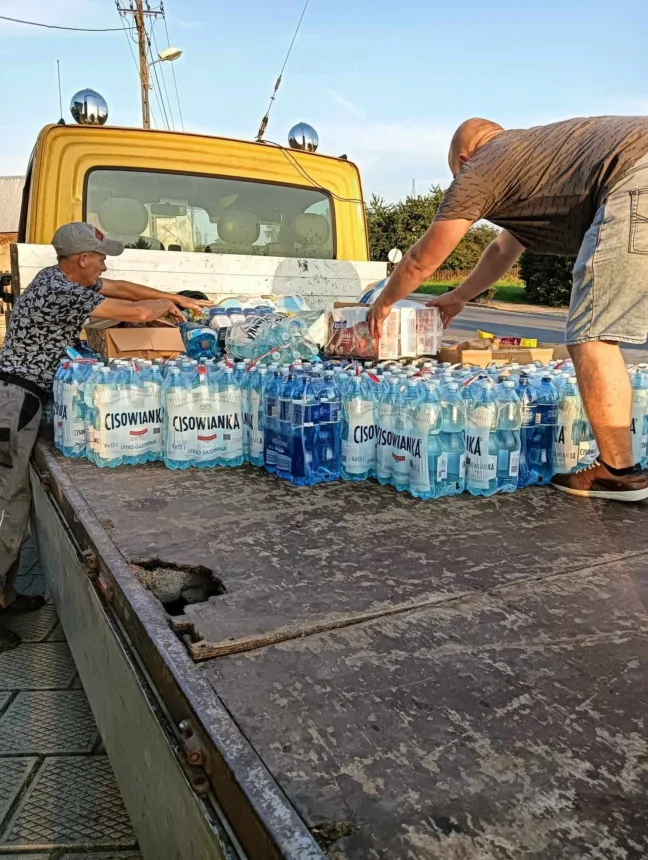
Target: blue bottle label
<point x="271" y="407"/>
<point x="546" y="413"/>
<point x="529" y="413"/>
<point x="330" y="411"/>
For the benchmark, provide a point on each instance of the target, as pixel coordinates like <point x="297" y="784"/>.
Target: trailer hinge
<point x="89" y="562"/>
<point x="195" y="758"/>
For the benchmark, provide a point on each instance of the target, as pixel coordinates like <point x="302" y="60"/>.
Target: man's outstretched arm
<point x="495" y="261"/>
<point x="422" y="259"/>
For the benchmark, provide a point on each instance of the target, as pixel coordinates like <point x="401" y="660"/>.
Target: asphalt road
<point x="544" y="327"/>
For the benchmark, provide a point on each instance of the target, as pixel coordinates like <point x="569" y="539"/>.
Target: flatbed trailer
<point x="351" y="672"/>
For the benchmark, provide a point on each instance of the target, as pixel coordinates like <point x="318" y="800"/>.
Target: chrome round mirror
<point x="395" y="256"/>
<point x="89" y="108"/>
<point x="303" y="136"/>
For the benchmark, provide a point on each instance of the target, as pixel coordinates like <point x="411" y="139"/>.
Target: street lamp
<point x="168" y="55"/>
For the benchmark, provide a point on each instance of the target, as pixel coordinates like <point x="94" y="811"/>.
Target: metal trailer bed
<point x="365" y="675"/>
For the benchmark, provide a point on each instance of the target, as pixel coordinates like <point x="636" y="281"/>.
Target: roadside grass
<point x="506" y="290"/>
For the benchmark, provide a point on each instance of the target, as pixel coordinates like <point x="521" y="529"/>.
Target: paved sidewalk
<point x="58" y="796"/>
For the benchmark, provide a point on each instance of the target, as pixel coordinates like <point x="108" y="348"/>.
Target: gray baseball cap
<point x="80" y="238"/>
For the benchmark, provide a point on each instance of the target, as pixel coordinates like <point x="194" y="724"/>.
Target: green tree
<point x="547" y="279"/>
<point x="401" y="224"/>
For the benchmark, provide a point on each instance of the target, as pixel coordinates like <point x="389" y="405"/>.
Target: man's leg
<point x="20" y="414"/>
<point x="607" y="397"/>
<point x="609" y="305"/>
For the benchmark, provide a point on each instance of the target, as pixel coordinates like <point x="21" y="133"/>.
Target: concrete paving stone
<point x="102" y="855"/>
<point x="57" y="635"/>
<point x="45" y="666"/>
<point x="33" y="626"/>
<point x="22" y="856"/>
<point x="48" y="722"/>
<point x="4" y="701"/>
<point x="13" y="774"/>
<point x="73" y="802"/>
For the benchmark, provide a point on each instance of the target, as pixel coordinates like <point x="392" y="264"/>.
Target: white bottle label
<point x="587" y="453"/>
<point x="359" y="449"/>
<point x="442" y="467"/>
<point x="256" y="434"/>
<point x="109" y="436"/>
<point x="180" y="442"/>
<point x="481" y="467"/>
<point x="637" y="432"/>
<point x="383" y="447"/>
<point x="72" y="426"/>
<point x="514" y="464"/>
<point x="414" y="442"/>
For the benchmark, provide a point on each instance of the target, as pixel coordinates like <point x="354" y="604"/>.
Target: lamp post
<point x="168" y="55"/>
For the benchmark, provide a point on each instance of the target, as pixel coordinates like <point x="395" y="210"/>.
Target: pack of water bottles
<point x="425" y="428"/>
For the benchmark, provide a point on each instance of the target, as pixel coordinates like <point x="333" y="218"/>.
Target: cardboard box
<point x="115" y="340"/>
<point x="483" y="357"/>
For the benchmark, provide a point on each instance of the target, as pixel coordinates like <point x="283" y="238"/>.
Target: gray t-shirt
<point x="545" y="184"/>
<point x="46" y="319"/>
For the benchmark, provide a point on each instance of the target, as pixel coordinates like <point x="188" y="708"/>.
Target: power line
<point x="157" y="89"/>
<point x="56" y="26"/>
<point x="175" y="83"/>
<point x="166" y="92"/>
<point x="129" y="39"/>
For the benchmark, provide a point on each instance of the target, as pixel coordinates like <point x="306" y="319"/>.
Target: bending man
<point x="573" y="187"/>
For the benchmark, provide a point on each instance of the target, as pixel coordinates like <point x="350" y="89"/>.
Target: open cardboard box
<point x="544" y="352"/>
<point x="113" y="340"/>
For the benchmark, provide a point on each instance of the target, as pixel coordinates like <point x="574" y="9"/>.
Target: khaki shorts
<point x="609" y="299"/>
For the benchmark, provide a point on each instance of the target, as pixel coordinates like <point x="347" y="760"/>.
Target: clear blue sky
<point x="385" y="82"/>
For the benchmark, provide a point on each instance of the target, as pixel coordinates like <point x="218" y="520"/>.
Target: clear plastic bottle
<point x="508" y="438"/>
<point x="180" y="450"/>
<point x="427" y="471"/>
<point x="328" y="432"/>
<point x="107" y="439"/>
<point x="639" y="417"/>
<point x="386" y="409"/>
<point x="405" y="410"/>
<point x="273" y="445"/>
<point x="256" y="387"/>
<point x="303" y="427"/>
<point x="229" y="419"/>
<point x="453" y="441"/>
<point x="481" y="442"/>
<point x="540" y="450"/>
<point x="358" y="432"/>
<point x="567" y="433"/>
<point x="528" y="400"/>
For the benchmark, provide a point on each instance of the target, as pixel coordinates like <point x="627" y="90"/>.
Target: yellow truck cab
<point x="227" y="217"/>
<point x="162" y="190"/>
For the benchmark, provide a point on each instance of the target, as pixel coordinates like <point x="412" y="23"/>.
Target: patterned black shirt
<point x="545" y="184"/>
<point x="46" y="319"/>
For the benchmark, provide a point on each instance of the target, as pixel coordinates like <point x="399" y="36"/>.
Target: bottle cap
<point x="509" y="384"/>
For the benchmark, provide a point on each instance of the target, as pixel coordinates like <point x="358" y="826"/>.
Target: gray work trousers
<point x="20" y="417"/>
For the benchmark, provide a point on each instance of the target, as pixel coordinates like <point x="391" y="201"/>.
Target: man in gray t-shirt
<point x="573" y="187"/>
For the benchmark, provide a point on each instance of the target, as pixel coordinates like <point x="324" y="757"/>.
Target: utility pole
<point x="139" y="15"/>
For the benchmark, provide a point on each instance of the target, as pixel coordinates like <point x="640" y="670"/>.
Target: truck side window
<point x="158" y="210"/>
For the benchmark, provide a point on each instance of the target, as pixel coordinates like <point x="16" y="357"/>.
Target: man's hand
<point x="190" y="304"/>
<point x="449" y="305"/>
<point x="377" y="315"/>
<point x="175" y="313"/>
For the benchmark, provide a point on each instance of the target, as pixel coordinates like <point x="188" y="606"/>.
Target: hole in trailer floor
<point x="177" y="585"/>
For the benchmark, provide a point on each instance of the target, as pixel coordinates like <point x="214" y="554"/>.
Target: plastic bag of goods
<point x="408" y="332"/>
<point x="277" y="337"/>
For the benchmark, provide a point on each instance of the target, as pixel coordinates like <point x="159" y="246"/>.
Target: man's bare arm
<point x="424" y="258"/>
<point x="137" y="292"/>
<point x="495" y="262"/>
<point x="142" y="311"/>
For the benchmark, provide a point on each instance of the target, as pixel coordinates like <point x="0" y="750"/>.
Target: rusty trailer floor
<point x="460" y="679"/>
<point x="58" y="795"/>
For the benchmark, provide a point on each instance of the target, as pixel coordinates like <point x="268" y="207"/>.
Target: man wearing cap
<point x="47" y="318"/>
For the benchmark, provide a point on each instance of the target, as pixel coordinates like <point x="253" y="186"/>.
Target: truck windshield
<point x="186" y="212"/>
